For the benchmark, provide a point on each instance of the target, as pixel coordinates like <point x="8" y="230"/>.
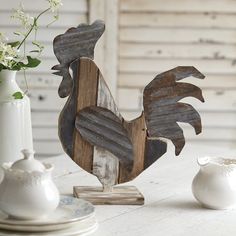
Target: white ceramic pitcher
<point x="214" y="186"/>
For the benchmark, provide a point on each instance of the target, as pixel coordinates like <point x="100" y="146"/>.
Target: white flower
<point x="7" y="54"/>
<point x="10" y="57"/>
<point x="25" y="19"/>
<point x="54" y="4"/>
<point x="3" y="37"/>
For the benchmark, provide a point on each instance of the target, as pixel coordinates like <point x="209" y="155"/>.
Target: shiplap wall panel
<point x="47" y="147"/>
<point x="39" y="80"/>
<point x="178" y="19"/>
<point x="177" y="35"/>
<point x="153" y="36"/>
<point x="159" y="35"/>
<point x="75" y="6"/>
<point x="44" y="119"/>
<point x="227" y="6"/>
<point x="45" y="103"/>
<point x="45" y="100"/>
<point x="204" y="65"/>
<point x="207" y="120"/>
<point x="45" y="133"/>
<point x="219" y="81"/>
<point x="222" y="100"/>
<point x="163" y="51"/>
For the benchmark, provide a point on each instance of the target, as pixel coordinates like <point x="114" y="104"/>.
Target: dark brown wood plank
<point x="137" y="132"/>
<point x="86" y="96"/>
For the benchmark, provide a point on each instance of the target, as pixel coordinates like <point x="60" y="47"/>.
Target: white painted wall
<point x="143" y="38"/>
<point x="155" y="36"/>
<point x="45" y="102"/>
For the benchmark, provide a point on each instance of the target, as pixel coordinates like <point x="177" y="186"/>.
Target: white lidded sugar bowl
<point x="27" y="190"/>
<point x="214" y="186"/>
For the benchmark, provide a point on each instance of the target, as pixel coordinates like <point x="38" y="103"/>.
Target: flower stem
<point x="32" y="27"/>
<point x="26" y="83"/>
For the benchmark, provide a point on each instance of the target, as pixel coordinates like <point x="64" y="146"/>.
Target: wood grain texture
<point x="165" y="35"/>
<point x="67" y="116"/>
<point x="202" y="35"/>
<point x="101" y="127"/>
<point x="73" y="44"/>
<point x="228" y="6"/>
<point x="137" y="132"/>
<point x="120" y="195"/>
<point x="88" y="157"/>
<point x="163" y="51"/>
<point x="163" y="110"/>
<point x="146" y="151"/>
<point x="86" y="96"/>
<point x="169" y="209"/>
<point x="71" y="141"/>
<point x="178" y="19"/>
<point x="105" y="164"/>
<point x="105" y="98"/>
<point x="107" y="130"/>
<point x="105" y="168"/>
<point x="100" y="141"/>
<point x="135" y="144"/>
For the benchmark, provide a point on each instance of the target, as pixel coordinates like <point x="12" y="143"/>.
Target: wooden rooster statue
<point x="93" y="132"/>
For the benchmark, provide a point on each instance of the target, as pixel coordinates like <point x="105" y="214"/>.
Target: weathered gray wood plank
<point x="163" y="110"/>
<point x="73" y="44"/>
<point x="102" y="128"/>
<point x="105" y="164"/>
<point x="120" y="195"/>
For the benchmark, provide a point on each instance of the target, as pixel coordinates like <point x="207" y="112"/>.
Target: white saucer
<point x="81" y="228"/>
<point x="69" y="212"/>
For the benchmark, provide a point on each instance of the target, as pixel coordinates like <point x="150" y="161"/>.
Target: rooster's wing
<point x="101" y="127"/>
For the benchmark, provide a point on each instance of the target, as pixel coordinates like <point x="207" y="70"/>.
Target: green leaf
<point x="18" y="95"/>
<point x="32" y="62"/>
<point x="14" y="44"/>
<point x="18" y="66"/>
<point x="38" y="51"/>
<point x="2" y="67"/>
<point x="17" y="33"/>
<point x="38" y="45"/>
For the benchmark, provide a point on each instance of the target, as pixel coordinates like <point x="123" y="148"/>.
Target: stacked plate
<point x="72" y="217"/>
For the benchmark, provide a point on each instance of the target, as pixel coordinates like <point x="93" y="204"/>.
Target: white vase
<point x="15" y="119"/>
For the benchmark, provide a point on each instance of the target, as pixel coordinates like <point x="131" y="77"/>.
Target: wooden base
<point x="120" y="195"/>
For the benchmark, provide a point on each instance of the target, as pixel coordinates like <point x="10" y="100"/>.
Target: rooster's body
<point x="91" y="129"/>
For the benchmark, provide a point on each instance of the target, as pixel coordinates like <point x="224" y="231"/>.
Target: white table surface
<point x="170" y="208"/>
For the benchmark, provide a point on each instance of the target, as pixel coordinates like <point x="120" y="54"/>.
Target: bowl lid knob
<point x="28" y="163"/>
